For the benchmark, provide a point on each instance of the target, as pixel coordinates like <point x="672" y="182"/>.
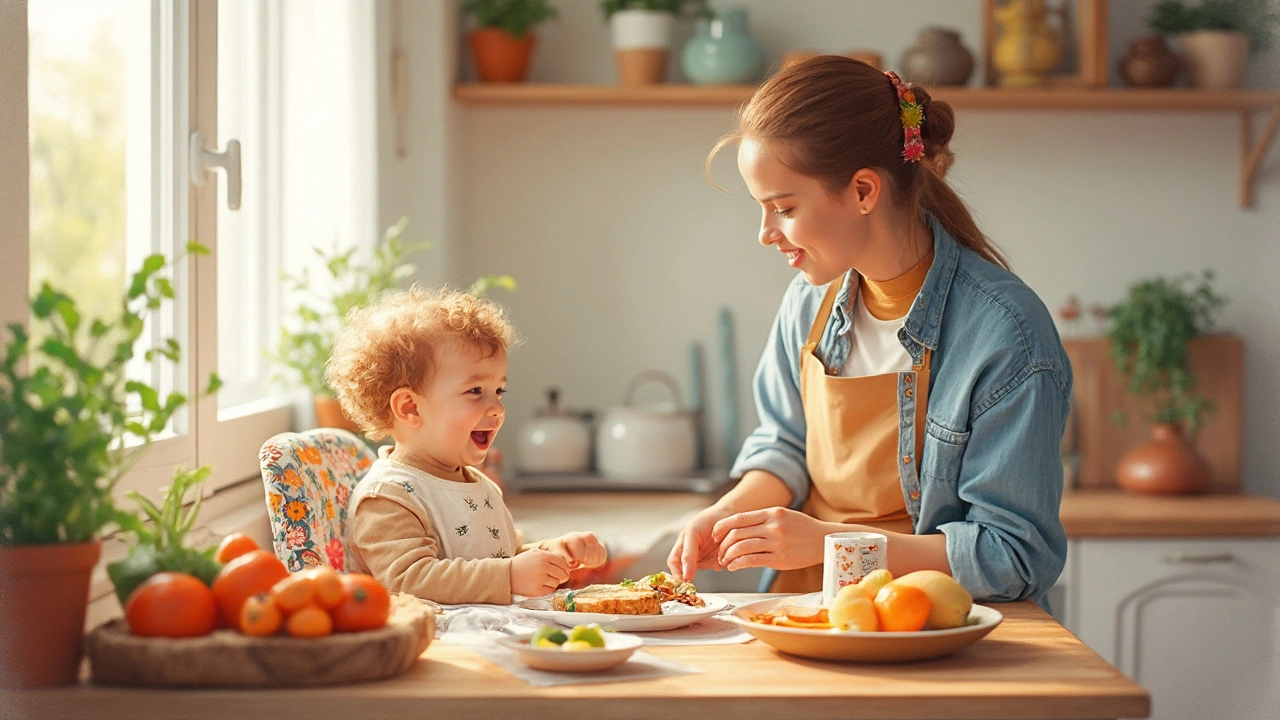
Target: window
<point x="115" y="88"/>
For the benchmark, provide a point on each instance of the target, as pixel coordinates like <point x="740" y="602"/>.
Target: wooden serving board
<point x="227" y="658"/>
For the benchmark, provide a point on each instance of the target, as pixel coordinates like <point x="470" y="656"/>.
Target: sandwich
<point x="610" y="599"/>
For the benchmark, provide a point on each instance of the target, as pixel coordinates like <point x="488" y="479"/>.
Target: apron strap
<point x="824" y="313"/>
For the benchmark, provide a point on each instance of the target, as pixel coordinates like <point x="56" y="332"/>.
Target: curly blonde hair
<point x="391" y="344"/>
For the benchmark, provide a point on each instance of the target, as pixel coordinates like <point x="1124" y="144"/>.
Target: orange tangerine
<point x="901" y="608"/>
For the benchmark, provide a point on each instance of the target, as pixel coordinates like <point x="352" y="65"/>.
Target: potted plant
<point x="1149" y="333"/>
<point x="1217" y="36"/>
<point x="305" y="346"/>
<point x="71" y="423"/>
<point x="642" y="35"/>
<point x="503" y="43"/>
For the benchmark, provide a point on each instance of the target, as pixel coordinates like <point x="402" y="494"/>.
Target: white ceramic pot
<point x="641" y="29"/>
<point x="655" y="440"/>
<point x="554" y="441"/>
<point x="1215" y="59"/>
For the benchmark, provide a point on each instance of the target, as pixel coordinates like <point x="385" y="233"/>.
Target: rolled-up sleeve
<point x="1011" y="544"/>
<point x="777" y="445"/>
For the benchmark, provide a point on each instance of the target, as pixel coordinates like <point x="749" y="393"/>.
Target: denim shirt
<point x="990" y="477"/>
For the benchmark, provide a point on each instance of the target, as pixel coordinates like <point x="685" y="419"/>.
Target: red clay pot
<point x="329" y="414"/>
<point x="500" y="56"/>
<point x="44" y="592"/>
<point x="1164" y="464"/>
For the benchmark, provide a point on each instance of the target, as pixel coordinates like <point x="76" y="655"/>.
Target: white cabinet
<point x="1194" y="622"/>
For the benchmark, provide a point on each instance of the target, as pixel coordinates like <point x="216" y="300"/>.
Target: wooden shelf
<point x="1245" y="102"/>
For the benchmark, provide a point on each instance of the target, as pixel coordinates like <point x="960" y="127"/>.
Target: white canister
<point x="847" y="557"/>
<point x="658" y="440"/>
<point x="555" y="441"/>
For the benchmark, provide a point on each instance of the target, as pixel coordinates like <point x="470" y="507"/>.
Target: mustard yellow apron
<point x="851" y="445"/>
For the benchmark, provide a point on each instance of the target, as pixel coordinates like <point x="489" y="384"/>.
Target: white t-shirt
<point x="875" y="348"/>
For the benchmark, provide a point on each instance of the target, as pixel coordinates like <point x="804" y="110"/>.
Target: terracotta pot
<point x="1216" y="59"/>
<point x="641" y="66"/>
<point x="1164" y="464"/>
<point x="500" y="56"/>
<point x="1150" y="63"/>
<point x="329" y="414"/>
<point x="44" y="592"/>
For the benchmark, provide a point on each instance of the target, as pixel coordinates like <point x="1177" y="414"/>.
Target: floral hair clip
<point x="912" y="118"/>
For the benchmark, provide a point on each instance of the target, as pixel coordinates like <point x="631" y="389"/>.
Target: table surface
<point x="1028" y="667"/>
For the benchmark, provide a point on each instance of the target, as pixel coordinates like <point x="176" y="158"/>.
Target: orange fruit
<point x="260" y="616"/>
<point x="248" y="575"/>
<point x="901" y="608"/>
<point x="806" y="614"/>
<point x="171" y="604"/>
<point x="365" y="604"/>
<point x="233" y="546"/>
<point x="309" y="621"/>
<point x="328" y="586"/>
<point x="294" y="592"/>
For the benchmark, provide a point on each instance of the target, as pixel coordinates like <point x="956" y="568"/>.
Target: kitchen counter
<point x="1029" y="666"/>
<point x="1119" y="514"/>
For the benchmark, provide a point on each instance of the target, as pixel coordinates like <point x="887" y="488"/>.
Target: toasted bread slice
<point x="610" y="599"/>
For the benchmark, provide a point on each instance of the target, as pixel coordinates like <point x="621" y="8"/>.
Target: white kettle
<point x="555" y="441"/>
<point x="655" y="441"/>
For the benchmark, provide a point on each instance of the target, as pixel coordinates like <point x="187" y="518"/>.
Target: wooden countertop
<point x="1119" y="514"/>
<point x="1029" y="666"/>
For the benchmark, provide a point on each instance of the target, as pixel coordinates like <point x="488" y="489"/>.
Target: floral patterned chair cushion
<point x="309" y="476"/>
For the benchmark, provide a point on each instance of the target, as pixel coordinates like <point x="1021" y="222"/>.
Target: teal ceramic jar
<point x="723" y="51"/>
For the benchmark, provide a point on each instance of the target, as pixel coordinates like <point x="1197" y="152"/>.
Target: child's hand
<point x="581" y="549"/>
<point x="537" y="572"/>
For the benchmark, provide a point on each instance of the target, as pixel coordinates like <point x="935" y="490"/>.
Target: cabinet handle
<point x="1198" y="559"/>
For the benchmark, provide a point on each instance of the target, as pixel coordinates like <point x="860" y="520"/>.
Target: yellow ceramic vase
<point x="1028" y="49"/>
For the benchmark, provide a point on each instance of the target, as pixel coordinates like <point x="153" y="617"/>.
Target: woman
<point x="911" y="384"/>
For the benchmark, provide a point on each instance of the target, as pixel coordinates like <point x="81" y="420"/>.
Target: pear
<point x="853" y="610"/>
<point x="949" y="601"/>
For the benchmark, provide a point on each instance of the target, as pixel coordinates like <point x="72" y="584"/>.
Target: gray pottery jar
<point x="937" y="58"/>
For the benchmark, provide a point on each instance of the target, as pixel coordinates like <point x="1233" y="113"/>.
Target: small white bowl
<point x="617" y="648"/>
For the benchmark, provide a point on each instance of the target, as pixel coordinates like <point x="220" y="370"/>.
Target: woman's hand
<point x="774" y="537"/>
<point x="579" y="549"/>
<point x="695" y="548"/>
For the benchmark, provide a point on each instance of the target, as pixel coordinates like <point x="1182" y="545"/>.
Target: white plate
<point x="541" y="608"/>
<point x="862" y="646"/>
<point x="617" y="648"/>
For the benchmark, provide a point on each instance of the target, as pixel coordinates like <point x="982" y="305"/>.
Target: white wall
<point x="624" y="252"/>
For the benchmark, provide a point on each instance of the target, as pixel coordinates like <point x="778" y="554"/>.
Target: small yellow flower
<point x="911" y="116"/>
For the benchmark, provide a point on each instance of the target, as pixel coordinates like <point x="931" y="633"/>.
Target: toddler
<point x="429" y="370"/>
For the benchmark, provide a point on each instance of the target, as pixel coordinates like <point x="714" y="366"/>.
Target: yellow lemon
<point x="576" y="646"/>
<point x="948" y="600"/>
<point x="853" y="610"/>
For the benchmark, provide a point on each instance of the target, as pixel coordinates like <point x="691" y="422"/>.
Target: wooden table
<point x="1028" y="667"/>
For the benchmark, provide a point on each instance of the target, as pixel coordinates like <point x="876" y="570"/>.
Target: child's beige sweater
<point x="442" y="540"/>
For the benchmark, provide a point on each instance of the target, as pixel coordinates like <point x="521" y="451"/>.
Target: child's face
<point x="816" y="230"/>
<point x="461" y="408"/>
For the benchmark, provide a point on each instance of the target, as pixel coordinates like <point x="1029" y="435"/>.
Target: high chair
<point x="309" y="477"/>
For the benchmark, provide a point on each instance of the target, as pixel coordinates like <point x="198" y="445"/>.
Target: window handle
<point x="229" y="161"/>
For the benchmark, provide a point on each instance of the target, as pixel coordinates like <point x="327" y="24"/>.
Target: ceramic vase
<point x="1028" y="48"/>
<point x="937" y="58"/>
<point x="1149" y="63"/>
<point x="500" y="56"/>
<point x="1216" y="59"/>
<point x="723" y="51"/>
<point x="1165" y="464"/>
<point x="44" y="593"/>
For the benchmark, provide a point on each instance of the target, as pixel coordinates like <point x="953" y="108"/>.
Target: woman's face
<point x="817" y="232"/>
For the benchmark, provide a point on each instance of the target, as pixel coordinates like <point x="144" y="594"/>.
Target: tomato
<point x="309" y="621"/>
<point x="328" y="585"/>
<point x="248" y="575"/>
<point x="365" y="604"/>
<point x="171" y="604"/>
<point x="233" y="546"/>
<point x="260" y="616"/>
